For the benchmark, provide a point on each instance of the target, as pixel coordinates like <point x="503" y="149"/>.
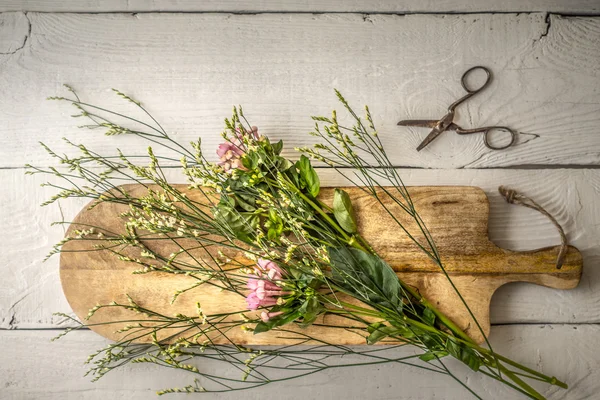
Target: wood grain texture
<point x="30" y="290"/>
<point x="380" y="6"/>
<point x="186" y="69"/>
<point x="457" y="218"/>
<point x="43" y="370"/>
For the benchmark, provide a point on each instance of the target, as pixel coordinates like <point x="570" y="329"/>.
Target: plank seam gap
<point x="510" y="167"/>
<point x="363" y="12"/>
<point x="544" y="323"/>
<point x="541" y="324"/>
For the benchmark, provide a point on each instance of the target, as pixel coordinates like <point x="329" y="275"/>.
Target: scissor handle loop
<point x="465" y="85"/>
<point x="486" y="135"/>
<point x="486" y="138"/>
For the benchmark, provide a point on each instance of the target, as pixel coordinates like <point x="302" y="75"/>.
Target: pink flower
<point x="230" y="153"/>
<point x="230" y="156"/>
<point x="254" y="302"/>
<point x="228" y="149"/>
<point x="264" y="290"/>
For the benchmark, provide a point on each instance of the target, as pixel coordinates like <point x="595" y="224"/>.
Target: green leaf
<point x="262" y="327"/>
<point x="433" y="355"/>
<point x="226" y="201"/>
<point x="275" y="322"/>
<point x="241" y="224"/>
<point x="463" y="353"/>
<point x="375" y="326"/>
<point x="283" y="164"/>
<point x="428" y="316"/>
<point x="311" y="310"/>
<point x="403" y="331"/>
<point x="471" y="358"/>
<point x="366" y="277"/>
<point x="309" y="176"/>
<point x="245" y="201"/>
<point x="343" y="211"/>
<point x="252" y="221"/>
<point x="274" y="225"/>
<point x="250" y="160"/>
<point x="272" y="234"/>
<point x="376" y="336"/>
<point x="237" y="222"/>
<point x="294" y="176"/>
<point x="277" y="147"/>
<point x="379" y="331"/>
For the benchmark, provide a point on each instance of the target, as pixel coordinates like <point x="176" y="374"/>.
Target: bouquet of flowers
<point x="258" y="228"/>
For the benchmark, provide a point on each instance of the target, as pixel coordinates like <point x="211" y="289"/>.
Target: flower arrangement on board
<point x="265" y="235"/>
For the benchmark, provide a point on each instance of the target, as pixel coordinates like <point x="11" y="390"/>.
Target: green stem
<point x="351" y="240"/>
<point x="325" y="206"/>
<point x="362" y="310"/>
<point x="334" y="311"/>
<point x="550" y="379"/>
<point x="531" y="391"/>
<point x="489" y="354"/>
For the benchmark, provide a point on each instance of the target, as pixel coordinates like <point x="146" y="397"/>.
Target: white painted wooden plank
<point x="190" y="68"/>
<point x="14" y="31"/>
<point x="30" y="290"/>
<point x="380" y="6"/>
<point x="39" y="369"/>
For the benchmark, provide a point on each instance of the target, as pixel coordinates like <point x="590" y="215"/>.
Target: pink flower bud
<point x="268" y="266"/>
<point x="265" y="316"/>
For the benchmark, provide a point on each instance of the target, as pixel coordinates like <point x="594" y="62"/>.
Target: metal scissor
<point x="446" y="124"/>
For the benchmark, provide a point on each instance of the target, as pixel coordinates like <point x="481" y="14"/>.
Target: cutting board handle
<point x="540" y="267"/>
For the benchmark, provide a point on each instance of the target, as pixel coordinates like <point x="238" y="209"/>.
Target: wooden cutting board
<point x="457" y="218"/>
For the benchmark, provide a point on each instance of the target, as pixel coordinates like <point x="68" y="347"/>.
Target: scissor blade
<point x="426" y="123"/>
<point x="422" y="123"/>
<point x="435" y="132"/>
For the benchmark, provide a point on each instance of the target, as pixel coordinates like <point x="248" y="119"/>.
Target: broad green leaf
<point x="237" y="222"/>
<point x="343" y="211"/>
<point x="365" y="276"/>
<point x="309" y="176"/>
<point x="277" y="147"/>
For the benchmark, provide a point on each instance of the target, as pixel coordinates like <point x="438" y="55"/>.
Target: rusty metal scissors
<point x="446" y="124"/>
